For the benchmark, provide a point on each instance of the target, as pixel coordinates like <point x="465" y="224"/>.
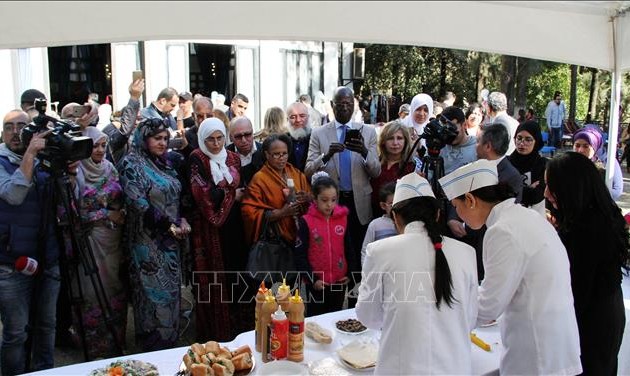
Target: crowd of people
<point x="169" y="201"/>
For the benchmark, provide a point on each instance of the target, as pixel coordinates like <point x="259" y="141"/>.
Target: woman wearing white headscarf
<point x="214" y="178"/>
<point x="420" y="111"/>
<point x="100" y="204"/>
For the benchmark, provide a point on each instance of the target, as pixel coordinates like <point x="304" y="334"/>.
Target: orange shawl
<point x="265" y="193"/>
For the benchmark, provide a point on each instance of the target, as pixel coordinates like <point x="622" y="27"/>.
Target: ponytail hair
<point x="425" y="210"/>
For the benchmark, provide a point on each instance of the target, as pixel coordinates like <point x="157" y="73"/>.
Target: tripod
<point x="82" y="255"/>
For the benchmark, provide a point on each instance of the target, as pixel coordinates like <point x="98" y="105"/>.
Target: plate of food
<point x="127" y="368"/>
<point x="350" y="326"/>
<point x="359" y="356"/>
<point x="212" y="359"/>
<point x="283" y="367"/>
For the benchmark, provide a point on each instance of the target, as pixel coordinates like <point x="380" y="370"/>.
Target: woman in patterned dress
<point x="101" y="202"/>
<point x="154" y="230"/>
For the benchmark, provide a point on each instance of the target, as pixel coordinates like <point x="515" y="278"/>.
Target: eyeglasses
<point x="295" y="117"/>
<point x="241" y="136"/>
<point x="215" y="140"/>
<point x="281" y="155"/>
<point x="15" y="127"/>
<point x="524" y="140"/>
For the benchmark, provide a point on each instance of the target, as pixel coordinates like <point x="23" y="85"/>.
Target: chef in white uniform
<point x="527" y="275"/>
<point x="403" y="275"/>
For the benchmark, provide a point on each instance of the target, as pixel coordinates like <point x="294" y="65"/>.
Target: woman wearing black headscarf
<point x="531" y="165"/>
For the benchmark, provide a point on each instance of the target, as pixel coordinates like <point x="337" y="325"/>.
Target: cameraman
<point x="463" y="149"/>
<point x="25" y="300"/>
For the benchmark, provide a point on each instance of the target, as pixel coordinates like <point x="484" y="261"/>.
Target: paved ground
<point x="66" y="356"/>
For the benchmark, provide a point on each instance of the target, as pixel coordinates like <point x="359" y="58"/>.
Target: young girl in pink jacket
<point x="320" y="250"/>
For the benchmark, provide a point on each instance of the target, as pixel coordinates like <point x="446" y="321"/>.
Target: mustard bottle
<point x="260" y="299"/>
<point x="296" y="327"/>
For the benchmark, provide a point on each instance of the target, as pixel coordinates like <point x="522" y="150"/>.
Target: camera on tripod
<point x="438" y="133"/>
<point x="63" y="145"/>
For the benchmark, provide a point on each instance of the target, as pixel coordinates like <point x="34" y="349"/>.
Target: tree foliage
<point x="404" y="71"/>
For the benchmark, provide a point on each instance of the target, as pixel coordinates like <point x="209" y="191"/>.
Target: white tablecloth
<point x="168" y="361"/>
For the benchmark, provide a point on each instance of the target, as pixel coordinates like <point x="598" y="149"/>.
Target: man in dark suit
<point x="250" y="152"/>
<point x="300" y="133"/>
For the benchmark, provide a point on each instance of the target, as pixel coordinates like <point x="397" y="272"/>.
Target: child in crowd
<point x="320" y="249"/>
<point x="381" y="227"/>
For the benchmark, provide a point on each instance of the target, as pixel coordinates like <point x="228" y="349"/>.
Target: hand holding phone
<point x="352" y="135"/>
<point x="137" y="75"/>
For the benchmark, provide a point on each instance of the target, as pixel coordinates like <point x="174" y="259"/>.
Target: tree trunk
<point x="592" y="96"/>
<point x="508" y="68"/>
<point x="483" y="72"/>
<point x="573" y="93"/>
<point x="524" y="72"/>
<point x="443" y="62"/>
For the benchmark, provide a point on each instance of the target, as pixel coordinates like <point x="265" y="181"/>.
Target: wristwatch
<point x="173" y="229"/>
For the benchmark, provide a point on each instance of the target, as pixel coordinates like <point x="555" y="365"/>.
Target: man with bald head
<point x="22" y="203"/>
<point x="351" y="162"/>
<point x="300" y="133"/>
<point x="243" y="144"/>
<point x="202" y="109"/>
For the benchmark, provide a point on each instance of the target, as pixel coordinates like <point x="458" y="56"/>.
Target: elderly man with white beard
<point x="300" y="133"/>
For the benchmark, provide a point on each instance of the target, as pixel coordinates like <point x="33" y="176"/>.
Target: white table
<point x="168" y="361"/>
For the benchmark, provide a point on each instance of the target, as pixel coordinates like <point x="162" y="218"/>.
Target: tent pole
<point x="613" y="122"/>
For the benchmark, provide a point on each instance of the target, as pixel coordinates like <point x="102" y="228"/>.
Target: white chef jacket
<point x="396" y="294"/>
<point x="527" y="280"/>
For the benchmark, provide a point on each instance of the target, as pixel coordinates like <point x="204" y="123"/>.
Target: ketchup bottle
<point x="26" y="265"/>
<point x="279" y="335"/>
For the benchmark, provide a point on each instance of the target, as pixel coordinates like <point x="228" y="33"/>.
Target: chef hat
<point x="479" y="174"/>
<point x="410" y="186"/>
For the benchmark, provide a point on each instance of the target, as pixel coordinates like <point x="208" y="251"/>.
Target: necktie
<point x="345" y="162"/>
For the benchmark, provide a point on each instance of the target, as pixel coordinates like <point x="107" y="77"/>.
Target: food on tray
<point x="351" y="326"/>
<point x="212" y="359"/>
<point x="359" y="355"/>
<point x="317" y="333"/>
<point x="127" y="368"/>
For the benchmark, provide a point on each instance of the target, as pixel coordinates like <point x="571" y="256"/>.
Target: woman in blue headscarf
<point x="154" y="230"/>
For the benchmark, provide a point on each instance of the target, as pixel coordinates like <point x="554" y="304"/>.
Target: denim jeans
<point x="555" y="137"/>
<point x="16" y="291"/>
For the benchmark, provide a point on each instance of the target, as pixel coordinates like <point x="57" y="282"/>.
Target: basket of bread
<point x="210" y="359"/>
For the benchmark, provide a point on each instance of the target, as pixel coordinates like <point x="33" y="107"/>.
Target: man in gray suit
<point x="351" y="163"/>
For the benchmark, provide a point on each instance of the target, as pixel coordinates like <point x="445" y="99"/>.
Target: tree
<point x="573" y="93"/>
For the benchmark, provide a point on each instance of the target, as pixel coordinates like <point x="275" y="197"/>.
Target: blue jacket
<point x="20" y="224"/>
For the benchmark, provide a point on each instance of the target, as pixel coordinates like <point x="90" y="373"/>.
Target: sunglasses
<point x="154" y="123"/>
<point x="241" y="136"/>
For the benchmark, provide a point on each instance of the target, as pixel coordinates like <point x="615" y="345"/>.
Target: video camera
<point x="63" y="145"/>
<point x="438" y="133"/>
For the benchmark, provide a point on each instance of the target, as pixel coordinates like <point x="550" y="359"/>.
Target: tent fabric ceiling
<point x="575" y="32"/>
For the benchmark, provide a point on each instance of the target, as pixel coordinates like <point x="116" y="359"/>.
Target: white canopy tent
<point x="588" y="33"/>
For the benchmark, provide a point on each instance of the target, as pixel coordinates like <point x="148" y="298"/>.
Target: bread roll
<point x="317" y="333"/>
<point x="220" y="370"/>
<point x="198" y="349"/>
<point x="227" y="363"/>
<point x="224" y="353"/>
<point x="211" y="347"/>
<point x="243" y="361"/>
<point x="208" y="359"/>
<point x="241" y="350"/>
<point x="201" y="370"/>
<point x="188" y="361"/>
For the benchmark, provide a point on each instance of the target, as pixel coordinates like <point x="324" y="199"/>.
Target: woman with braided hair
<point x="420" y="288"/>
